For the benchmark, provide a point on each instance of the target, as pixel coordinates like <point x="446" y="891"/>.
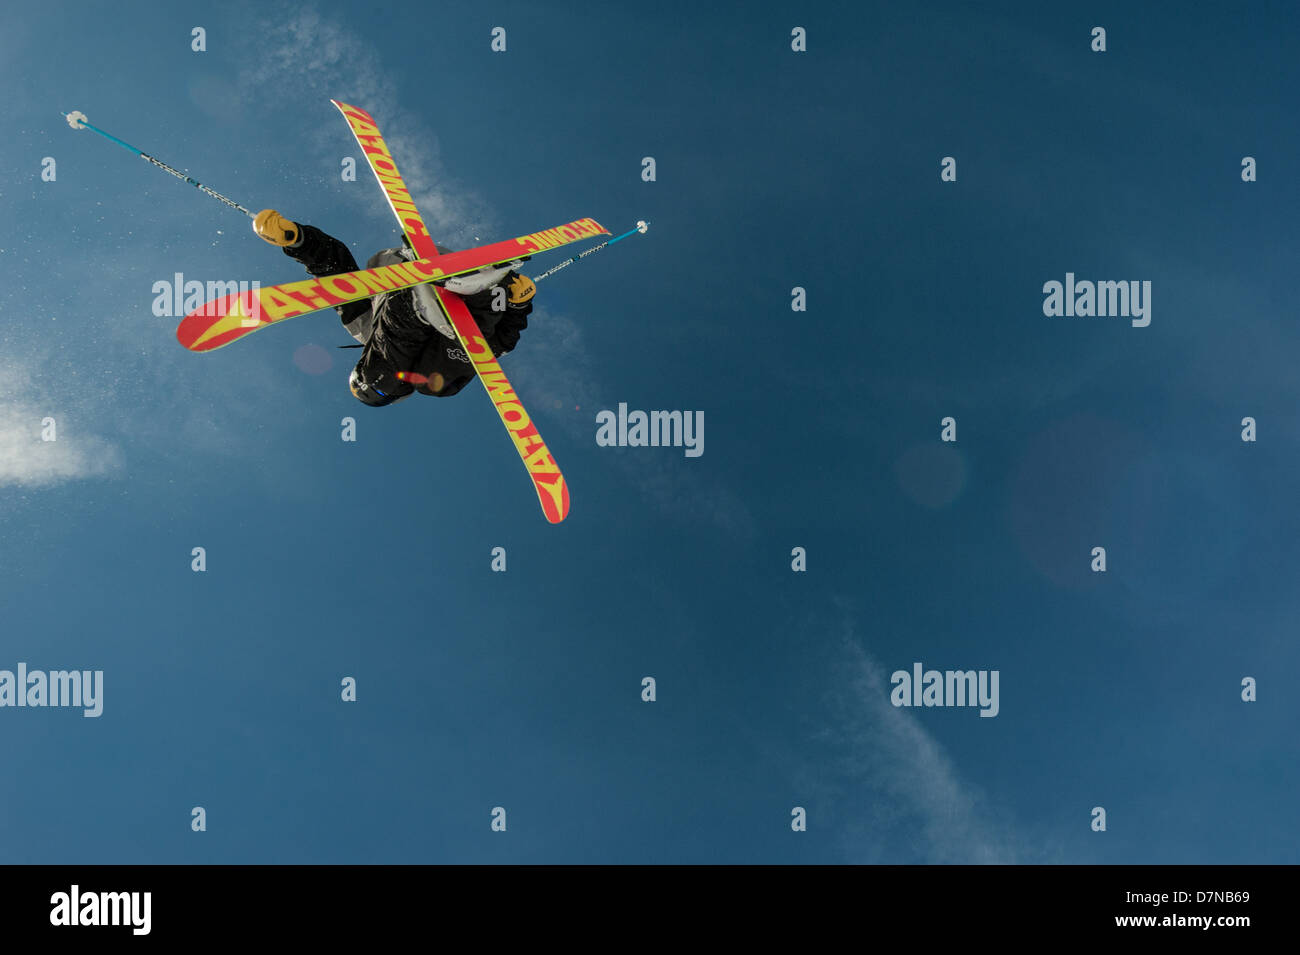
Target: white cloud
<point x="876" y="774"/>
<point x="308" y="60"/>
<point x="28" y="461"/>
<point x="904" y="762"/>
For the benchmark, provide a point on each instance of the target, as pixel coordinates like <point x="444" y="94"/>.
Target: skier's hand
<point x="507" y="331"/>
<point x="276" y="229"/>
<point x="521" y="288"/>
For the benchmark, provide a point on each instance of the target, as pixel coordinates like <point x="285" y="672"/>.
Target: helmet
<point x="370" y="393"/>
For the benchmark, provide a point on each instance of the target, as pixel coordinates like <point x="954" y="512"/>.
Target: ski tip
<point x="554" y="498"/>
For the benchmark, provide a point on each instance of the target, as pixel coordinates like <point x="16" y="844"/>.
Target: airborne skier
<point x="428" y="320"/>
<point x="404" y="331"/>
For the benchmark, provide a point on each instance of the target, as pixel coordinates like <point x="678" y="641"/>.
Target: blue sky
<point x="522" y="689"/>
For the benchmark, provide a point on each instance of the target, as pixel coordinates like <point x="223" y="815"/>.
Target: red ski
<point x="548" y="481"/>
<point x="223" y="320"/>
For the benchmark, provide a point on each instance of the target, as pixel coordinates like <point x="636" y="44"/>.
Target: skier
<point x="405" y="330"/>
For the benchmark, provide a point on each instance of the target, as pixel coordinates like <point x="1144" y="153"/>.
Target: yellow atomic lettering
<point x="541" y="462"/>
<point x="520" y="421"/>
<point x="279" y="305"/>
<point x="310" y="294"/>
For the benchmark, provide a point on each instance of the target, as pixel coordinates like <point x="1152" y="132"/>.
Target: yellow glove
<point x="521" y="289"/>
<point x="276" y="229"/>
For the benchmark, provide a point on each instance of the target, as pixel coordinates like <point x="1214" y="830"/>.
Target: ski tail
<point x="515" y="250"/>
<point x="372" y="144"/>
<point x="221" y="321"/>
<point x="548" y="481"/>
<point x="380" y="158"/>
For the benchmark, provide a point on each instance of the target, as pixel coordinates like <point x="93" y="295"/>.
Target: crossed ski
<point x="224" y="320"/>
<point x="227" y="319"/>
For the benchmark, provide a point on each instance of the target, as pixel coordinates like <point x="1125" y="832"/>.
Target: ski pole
<point x="639" y="227"/>
<point x="77" y="120"/>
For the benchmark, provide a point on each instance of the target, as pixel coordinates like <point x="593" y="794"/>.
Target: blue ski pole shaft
<point x="77" y="120"/>
<point x="639" y="227"/>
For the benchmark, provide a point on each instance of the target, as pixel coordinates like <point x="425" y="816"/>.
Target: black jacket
<point x="395" y="336"/>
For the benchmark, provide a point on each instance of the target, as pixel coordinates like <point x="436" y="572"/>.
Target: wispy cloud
<point x="308" y="59"/>
<point x="872" y="772"/>
<point x="888" y="751"/>
<point x="895" y="794"/>
<point x="28" y="461"/>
